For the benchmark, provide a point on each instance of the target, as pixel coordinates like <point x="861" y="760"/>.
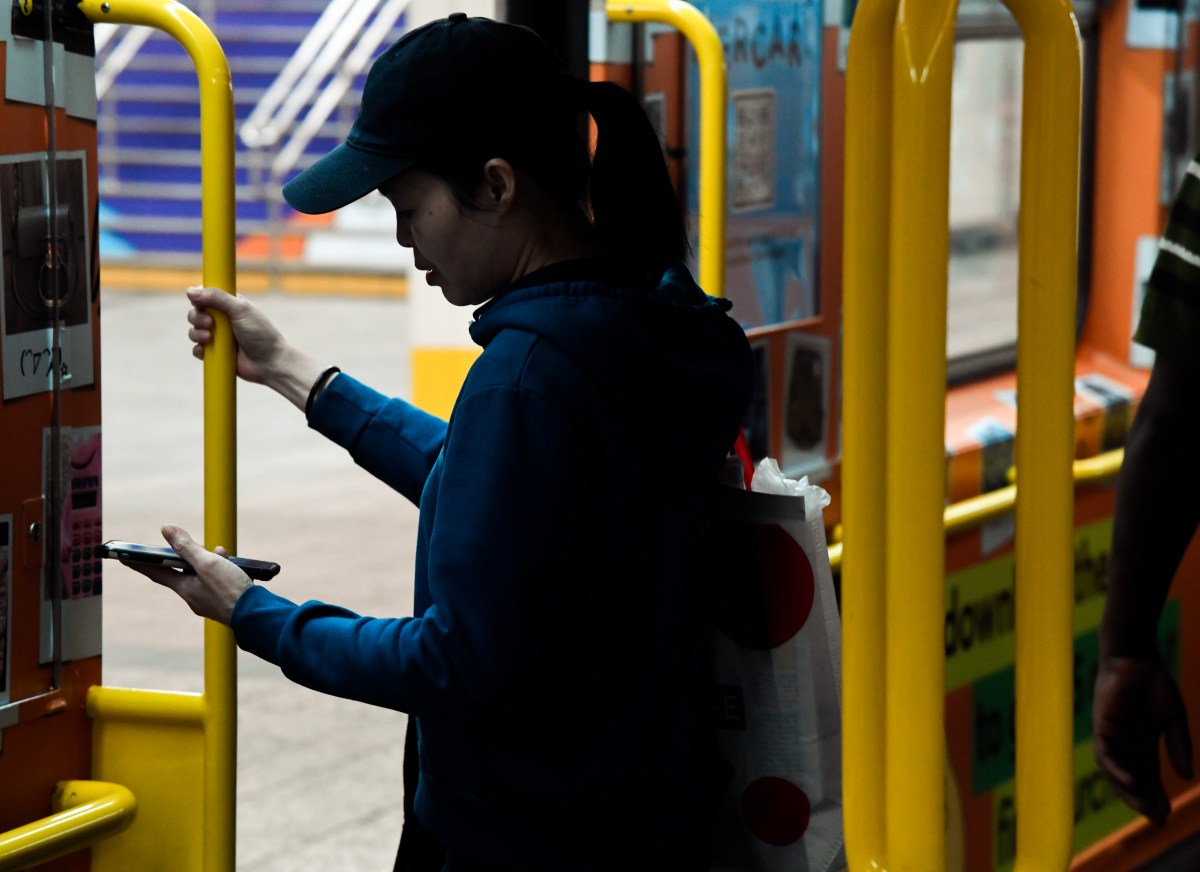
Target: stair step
<point x="126" y="209"/>
<point x="161" y="243"/>
<point x="114" y="191"/>
<point x="140" y="109"/>
<point x="149" y="126"/>
<point x="108" y="155"/>
<point x="314" y="7"/>
<point x="184" y="172"/>
<point x="238" y="64"/>
<point x="155" y="76"/>
<point x="168" y="93"/>
<point x="170" y="225"/>
<point x="331" y="133"/>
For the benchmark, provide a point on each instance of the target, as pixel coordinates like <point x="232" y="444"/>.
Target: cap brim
<point x="344" y="175"/>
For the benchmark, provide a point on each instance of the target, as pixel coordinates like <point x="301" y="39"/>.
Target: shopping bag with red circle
<point x="776" y="672"/>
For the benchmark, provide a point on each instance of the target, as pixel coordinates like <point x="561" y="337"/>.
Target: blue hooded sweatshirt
<point x="552" y="661"/>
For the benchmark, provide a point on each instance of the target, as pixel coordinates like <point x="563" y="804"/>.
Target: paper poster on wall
<point x="997" y="450"/>
<point x="806" y="400"/>
<point x="1154" y="25"/>
<point x="773" y="56"/>
<point x="752" y="182"/>
<point x="73" y="56"/>
<point x="46" y="274"/>
<point x="1116" y="400"/>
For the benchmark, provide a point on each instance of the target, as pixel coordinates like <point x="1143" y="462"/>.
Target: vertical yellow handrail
<point x="1045" y="447"/>
<point x="864" y="301"/>
<point x="914" y="550"/>
<point x="898" y="824"/>
<point x="713" y="91"/>
<point x="220" y="435"/>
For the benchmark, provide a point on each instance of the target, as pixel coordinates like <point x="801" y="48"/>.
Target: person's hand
<point x="213" y="590"/>
<point x="1136" y="702"/>
<point x="261" y="347"/>
<point x="263" y="355"/>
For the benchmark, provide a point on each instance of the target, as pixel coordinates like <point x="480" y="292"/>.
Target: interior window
<point x="985" y="184"/>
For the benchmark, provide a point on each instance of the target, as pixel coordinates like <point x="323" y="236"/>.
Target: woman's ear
<point x="499" y="190"/>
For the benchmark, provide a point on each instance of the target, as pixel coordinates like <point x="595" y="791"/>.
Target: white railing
<point x="124" y="50"/>
<point x="308" y="97"/>
<point x="314" y="59"/>
<point x="334" y="92"/>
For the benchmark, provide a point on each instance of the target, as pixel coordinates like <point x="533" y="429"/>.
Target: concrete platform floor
<point x="318" y="777"/>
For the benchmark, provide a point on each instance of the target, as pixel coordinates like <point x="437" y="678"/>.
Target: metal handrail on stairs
<point x="319" y="75"/>
<point x="316" y="56"/>
<point x="331" y="97"/>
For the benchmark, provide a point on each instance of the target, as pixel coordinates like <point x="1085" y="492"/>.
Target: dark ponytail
<point x="634" y="208"/>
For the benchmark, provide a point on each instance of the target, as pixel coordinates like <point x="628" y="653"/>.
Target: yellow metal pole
<point x="914" y="563"/>
<point x="699" y="31"/>
<point x="220" y="435"/>
<point x="864" y="478"/>
<point x="1045" y="444"/>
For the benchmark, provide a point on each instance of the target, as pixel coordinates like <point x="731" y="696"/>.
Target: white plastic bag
<point x="777" y="675"/>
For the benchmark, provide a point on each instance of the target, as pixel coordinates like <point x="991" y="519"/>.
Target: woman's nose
<point x="403" y="233"/>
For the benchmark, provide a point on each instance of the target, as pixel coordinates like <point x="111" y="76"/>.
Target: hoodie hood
<point x="668" y="355"/>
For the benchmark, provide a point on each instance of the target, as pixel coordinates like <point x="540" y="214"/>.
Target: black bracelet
<point x="317" y="385"/>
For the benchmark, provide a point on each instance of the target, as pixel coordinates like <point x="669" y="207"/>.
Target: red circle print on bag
<point x="775" y="810"/>
<point x="767" y="586"/>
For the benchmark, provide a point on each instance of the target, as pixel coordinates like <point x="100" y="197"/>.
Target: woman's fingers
<point x="202" y="322"/>
<point x="202" y="298"/>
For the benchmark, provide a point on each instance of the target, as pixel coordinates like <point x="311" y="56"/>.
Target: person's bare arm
<point x="1136" y="699"/>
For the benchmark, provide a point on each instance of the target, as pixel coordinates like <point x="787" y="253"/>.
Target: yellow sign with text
<point x="980" y="625"/>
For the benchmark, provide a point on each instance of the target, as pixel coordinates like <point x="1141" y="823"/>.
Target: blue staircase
<point x="149" y="130"/>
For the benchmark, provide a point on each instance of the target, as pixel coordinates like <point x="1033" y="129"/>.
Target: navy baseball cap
<point x="429" y="96"/>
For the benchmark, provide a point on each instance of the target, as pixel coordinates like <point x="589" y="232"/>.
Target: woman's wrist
<point x="293" y="376"/>
<point x="327" y="375"/>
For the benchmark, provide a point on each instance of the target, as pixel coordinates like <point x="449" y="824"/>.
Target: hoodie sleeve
<point x="508" y="507"/>
<point x="393" y="440"/>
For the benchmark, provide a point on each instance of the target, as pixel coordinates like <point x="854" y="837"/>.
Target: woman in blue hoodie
<point x="553" y="662"/>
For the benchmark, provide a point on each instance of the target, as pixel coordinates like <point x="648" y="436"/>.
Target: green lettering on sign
<point x="980" y="619"/>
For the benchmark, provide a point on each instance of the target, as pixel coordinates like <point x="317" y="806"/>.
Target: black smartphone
<point x="259" y="570"/>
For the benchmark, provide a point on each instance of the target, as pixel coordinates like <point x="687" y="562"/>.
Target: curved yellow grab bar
<point x="974" y="511"/>
<point x="1094" y="470"/>
<point x="864" y="307"/>
<point x="218" y="218"/>
<point x="699" y="31"/>
<point x="84" y="813"/>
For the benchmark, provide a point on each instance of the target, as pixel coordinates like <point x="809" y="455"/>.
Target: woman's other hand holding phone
<point x="215" y="587"/>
